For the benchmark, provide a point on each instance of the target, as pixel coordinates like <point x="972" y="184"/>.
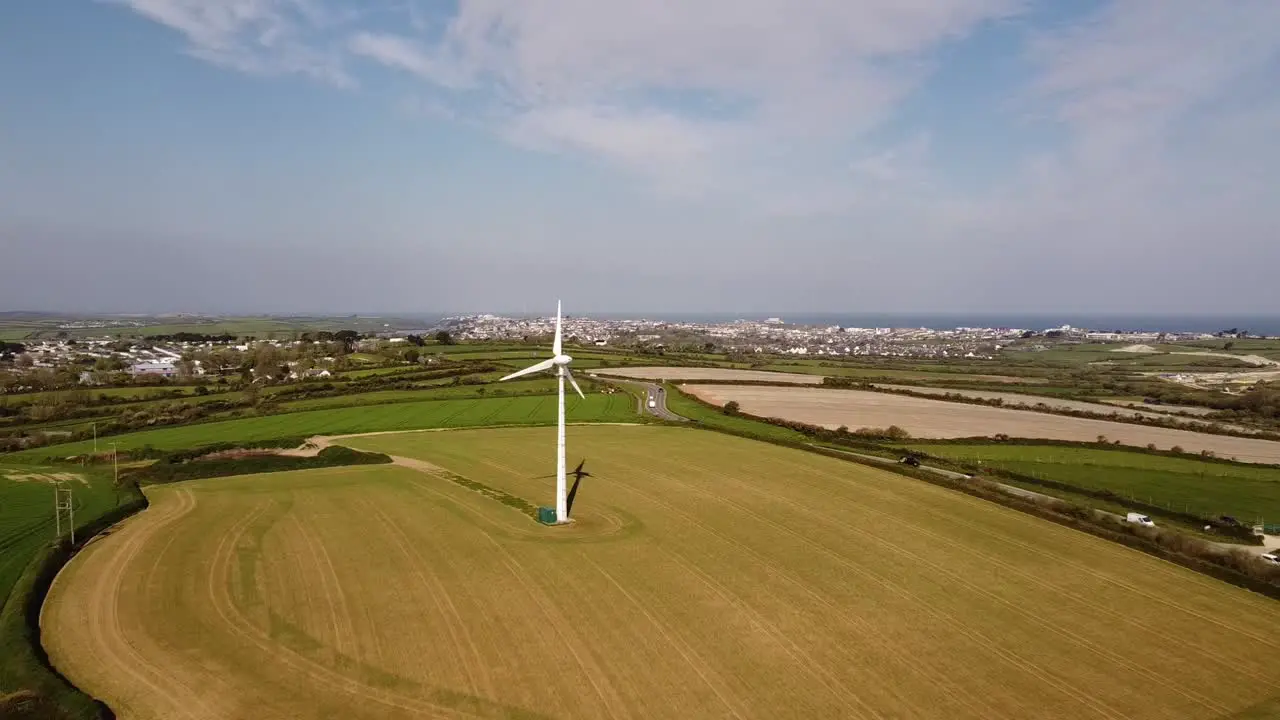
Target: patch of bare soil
<point x="925" y="418"/>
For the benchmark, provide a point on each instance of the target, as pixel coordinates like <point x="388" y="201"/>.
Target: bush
<point x="732" y="408"/>
<point x="893" y="432"/>
<point x="182" y="466"/>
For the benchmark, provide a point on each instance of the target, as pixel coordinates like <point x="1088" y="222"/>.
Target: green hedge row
<point x="182" y="468"/>
<point x="175" y="456"/>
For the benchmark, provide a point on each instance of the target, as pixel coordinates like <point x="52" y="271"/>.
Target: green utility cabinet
<point x="547" y="516"/>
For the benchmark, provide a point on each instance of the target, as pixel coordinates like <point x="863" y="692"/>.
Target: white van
<point x="1140" y="519"/>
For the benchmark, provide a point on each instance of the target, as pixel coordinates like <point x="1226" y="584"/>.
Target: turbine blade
<point x="544" y="365"/>
<point x="573" y="382"/>
<point x="555" y="346"/>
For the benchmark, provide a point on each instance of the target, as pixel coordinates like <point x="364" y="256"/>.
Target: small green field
<point x="257" y="327"/>
<point x="518" y="410"/>
<point x="26" y="511"/>
<point x="27" y="530"/>
<point x="370" y="372"/>
<point x="119" y="393"/>
<point x="1183" y="361"/>
<point x="438" y="390"/>
<point x="1243" y="491"/>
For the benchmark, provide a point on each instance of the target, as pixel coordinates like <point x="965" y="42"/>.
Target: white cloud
<point x="263" y="37"/>
<point x="790" y="105"/>
<point x="1144" y="90"/>
<point x="404" y="53"/>
<point x="689" y="95"/>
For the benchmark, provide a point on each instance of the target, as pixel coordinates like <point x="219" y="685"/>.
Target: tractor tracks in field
<point x="322" y="675"/>
<point x="917" y="666"/>
<point x="940" y="571"/>
<point x="473" y="664"/>
<point x="564" y="630"/>
<point x="106" y="637"/>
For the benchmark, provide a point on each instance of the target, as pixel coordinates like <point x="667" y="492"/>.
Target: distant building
<point x="157" y="367"/>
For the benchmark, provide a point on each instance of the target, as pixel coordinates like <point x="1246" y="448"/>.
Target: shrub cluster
<point x="180" y="466"/>
<point x="178" y="412"/>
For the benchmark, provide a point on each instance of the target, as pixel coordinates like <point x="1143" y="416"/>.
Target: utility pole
<point x="62" y="500"/>
<point x="95" y="438"/>
<point x="115" y="465"/>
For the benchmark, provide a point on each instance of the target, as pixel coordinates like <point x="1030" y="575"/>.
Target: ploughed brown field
<point x="925" y="418"/>
<point x="706" y="576"/>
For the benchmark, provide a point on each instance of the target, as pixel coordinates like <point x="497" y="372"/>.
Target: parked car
<point x="1139" y="519"/>
<point x="911" y="460"/>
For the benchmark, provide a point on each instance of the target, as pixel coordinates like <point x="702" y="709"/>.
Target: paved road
<point x="652" y="390"/>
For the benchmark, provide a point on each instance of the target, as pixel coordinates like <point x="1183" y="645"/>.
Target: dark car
<point x="911" y="460"/>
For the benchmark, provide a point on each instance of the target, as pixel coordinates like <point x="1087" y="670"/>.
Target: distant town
<point x="304" y="354"/>
<point x="775" y="336"/>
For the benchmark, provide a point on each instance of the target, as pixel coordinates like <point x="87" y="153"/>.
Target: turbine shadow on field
<point x="593" y="526"/>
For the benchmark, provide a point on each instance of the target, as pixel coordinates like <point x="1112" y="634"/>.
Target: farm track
<point x="705" y="576"/>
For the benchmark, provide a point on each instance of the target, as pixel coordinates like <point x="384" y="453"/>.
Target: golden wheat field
<point x="705" y="576"/>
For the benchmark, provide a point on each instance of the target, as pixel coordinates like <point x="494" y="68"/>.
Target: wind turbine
<point x="560" y="362"/>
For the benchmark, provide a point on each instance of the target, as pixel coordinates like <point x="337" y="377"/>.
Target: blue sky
<point x="724" y="155"/>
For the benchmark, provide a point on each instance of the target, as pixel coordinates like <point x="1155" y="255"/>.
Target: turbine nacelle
<point x="561" y="360"/>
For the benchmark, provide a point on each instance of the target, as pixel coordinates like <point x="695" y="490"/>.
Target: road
<point x="652" y="390"/>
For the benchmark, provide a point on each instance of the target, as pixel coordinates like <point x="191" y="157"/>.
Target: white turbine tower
<point x="560" y="362"/>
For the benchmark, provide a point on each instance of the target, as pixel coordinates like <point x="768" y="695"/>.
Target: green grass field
<point x="520" y="410"/>
<point x="27" y="531"/>
<point x="436" y="390"/>
<point x="1183" y="362"/>
<point x="122" y="393"/>
<point x="26" y="511"/>
<point x="1182" y="484"/>
<point x="370" y="372"/>
<point x="705" y="576"/>
<point x="257" y="327"/>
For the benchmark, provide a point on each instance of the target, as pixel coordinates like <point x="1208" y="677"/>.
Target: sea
<point x="1251" y="324"/>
